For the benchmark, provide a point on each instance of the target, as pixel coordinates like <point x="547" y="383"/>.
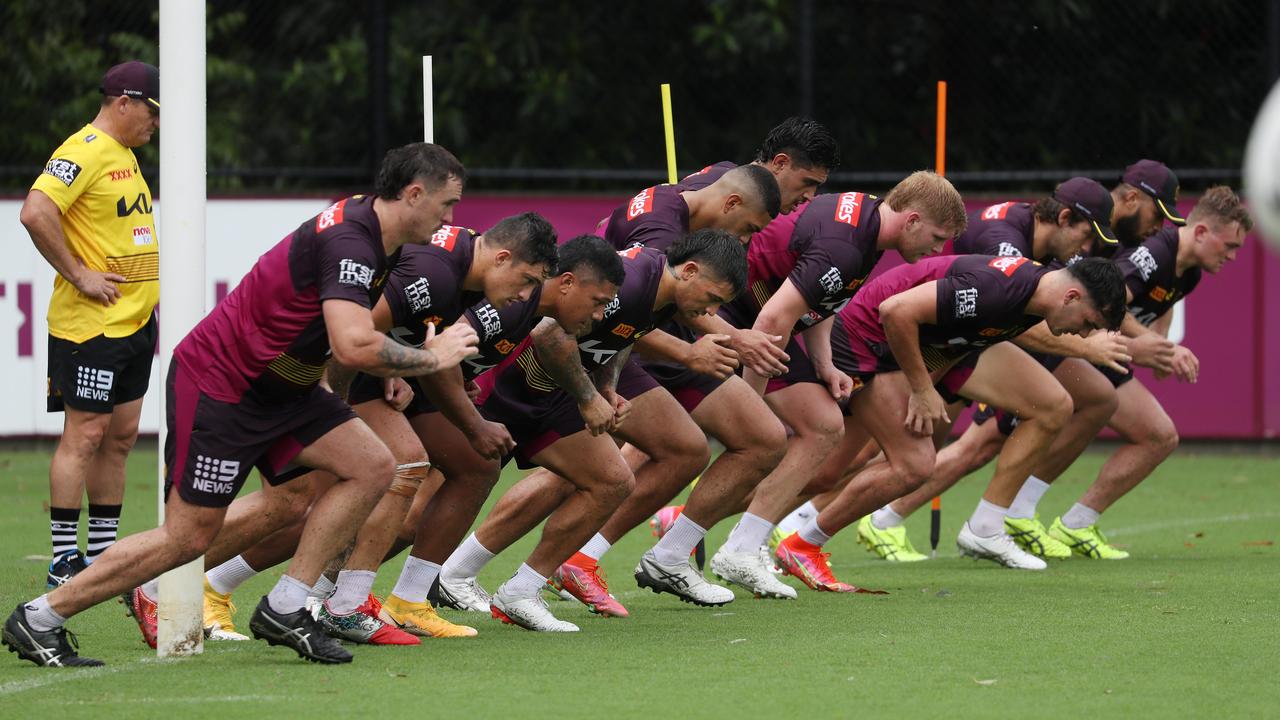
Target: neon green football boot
<point x="890" y="543"/>
<point x="1086" y="541"/>
<point x="1032" y="536"/>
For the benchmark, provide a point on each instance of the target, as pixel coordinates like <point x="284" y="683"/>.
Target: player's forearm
<point x="1162" y="323"/>
<point x="817" y="341"/>
<point x="607" y="375"/>
<point x="558" y="354"/>
<point x="447" y="391"/>
<point x="379" y="355"/>
<point x="660" y="345"/>
<point x="1042" y="340"/>
<point x="1131" y="328"/>
<point x="903" y="336"/>
<point x="338" y="378"/>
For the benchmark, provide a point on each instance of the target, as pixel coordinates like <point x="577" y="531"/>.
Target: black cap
<point x="134" y="79"/>
<point x="1091" y="200"/>
<point x="1157" y="180"/>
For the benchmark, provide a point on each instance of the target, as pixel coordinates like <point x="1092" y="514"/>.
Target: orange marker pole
<point x="940" y="163"/>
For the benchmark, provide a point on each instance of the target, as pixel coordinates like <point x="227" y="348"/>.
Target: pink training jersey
<point x="981" y="300"/>
<point x="826" y="248"/>
<point x="268" y="336"/>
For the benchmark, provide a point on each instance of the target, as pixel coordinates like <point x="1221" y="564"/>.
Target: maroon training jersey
<point x="1151" y="273"/>
<point x="425" y="284"/>
<point x="706" y="176"/>
<point x="500" y="331"/>
<point x="827" y="247"/>
<point x="627" y="318"/>
<point x="981" y="301"/>
<point x="1005" y="229"/>
<point x="654" y="218"/>
<point x="268" y="336"/>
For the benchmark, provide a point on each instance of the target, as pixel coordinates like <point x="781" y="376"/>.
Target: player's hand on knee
<point x="397" y="393"/>
<point x="760" y="352"/>
<point x="621" y="408"/>
<point x="491" y="440"/>
<point x="712" y="355"/>
<point x="598" y="414"/>
<point x="1107" y="349"/>
<point x="1186" y="366"/>
<point x="838" y="383"/>
<point x="458" y="342"/>
<point x="924" y="409"/>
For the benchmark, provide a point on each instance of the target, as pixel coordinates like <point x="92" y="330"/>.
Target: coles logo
<point x="848" y="207"/>
<point x="997" y="212"/>
<point x="632" y="252"/>
<point x="1007" y="265"/>
<point x="640" y="204"/>
<point x="445" y="237"/>
<point x="330" y="217"/>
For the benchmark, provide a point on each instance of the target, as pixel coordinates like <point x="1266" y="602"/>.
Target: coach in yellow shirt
<point x="89" y="215"/>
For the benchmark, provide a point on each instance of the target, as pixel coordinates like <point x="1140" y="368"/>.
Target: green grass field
<point x="1186" y="628"/>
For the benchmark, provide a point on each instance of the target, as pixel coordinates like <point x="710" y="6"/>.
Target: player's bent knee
<point x="1165" y="439"/>
<point x="913" y="470"/>
<point x="617" y="486"/>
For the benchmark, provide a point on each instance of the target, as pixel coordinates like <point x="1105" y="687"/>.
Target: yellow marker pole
<point x="669" y="127"/>
<point x="940" y="164"/>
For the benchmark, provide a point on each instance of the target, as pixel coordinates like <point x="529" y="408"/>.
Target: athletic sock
<point x="749" y="534"/>
<point x="353" y="589"/>
<point x="1024" y="504"/>
<point x="230" y="575"/>
<point x="288" y="595"/>
<point x="40" y="616"/>
<point x="813" y="534"/>
<point x="64" y="523"/>
<point x="1080" y="516"/>
<point x="104" y="524"/>
<point x="467" y="560"/>
<point x="798" y="518"/>
<point x="526" y="582"/>
<point x="323" y="588"/>
<point x="416" y="579"/>
<point x="987" y="519"/>
<point x="680" y="540"/>
<point x="597" y="546"/>
<point x="885" y="518"/>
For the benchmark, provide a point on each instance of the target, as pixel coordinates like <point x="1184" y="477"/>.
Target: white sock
<point x="288" y="595"/>
<point x="813" y="534"/>
<point x="416" y="579"/>
<point x="1080" y="516"/>
<point x="987" y="520"/>
<point x="798" y="517"/>
<point x="42" y="617"/>
<point x="352" y="590"/>
<point x="1024" y="505"/>
<point x="749" y="534"/>
<point x="526" y="582"/>
<point x="885" y="518"/>
<point x="467" y="560"/>
<point x="680" y="540"/>
<point x="323" y="588"/>
<point x="151" y="589"/>
<point x="597" y="546"/>
<point x="230" y="575"/>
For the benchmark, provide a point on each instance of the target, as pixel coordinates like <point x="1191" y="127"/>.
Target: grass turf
<point x="1187" y="627"/>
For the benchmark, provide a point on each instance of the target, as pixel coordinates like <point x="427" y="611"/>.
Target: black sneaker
<point x="297" y="630"/>
<point x="63" y="568"/>
<point x="49" y="648"/>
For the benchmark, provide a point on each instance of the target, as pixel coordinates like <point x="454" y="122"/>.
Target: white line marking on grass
<point x="53" y="676"/>
<point x="1190" y="522"/>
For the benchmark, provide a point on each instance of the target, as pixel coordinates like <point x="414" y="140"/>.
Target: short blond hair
<point x="1221" y="205"/>
<point x="933" y="196"/>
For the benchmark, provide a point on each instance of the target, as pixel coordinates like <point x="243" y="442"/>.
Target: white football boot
<point x="999" y="548"/>
<point x="682" y="580"/>
<point x="748" y="570"/>
<point x="530" y="613"/>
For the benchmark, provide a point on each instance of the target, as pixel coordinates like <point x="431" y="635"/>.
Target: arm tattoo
<point x="399" y="360"/>
<point x="339" y="378"/>
<point x="558" y="355"/>
<point x="609" y="372"/>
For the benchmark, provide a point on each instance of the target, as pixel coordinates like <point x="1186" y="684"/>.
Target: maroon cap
<point x="1091" y="200"/>
<point x="134" y="79"/>
<point x="1157" y="180"/>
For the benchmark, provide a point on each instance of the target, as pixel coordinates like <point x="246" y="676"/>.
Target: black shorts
<point x="799" y="369"/>
<point x="365" y="388"/>
<point x="101" y="372"/>
<point x="1006" y="422"/>
<point x="211" y="444"/>
<point x="1117" y="378"/>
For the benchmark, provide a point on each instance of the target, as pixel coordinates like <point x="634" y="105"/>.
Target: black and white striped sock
<point x="63" y="525"/>
<point x="104" y="523"/>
